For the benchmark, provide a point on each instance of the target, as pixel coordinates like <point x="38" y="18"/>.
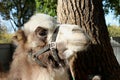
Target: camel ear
<point x="41" y="32"/>
<point x="19" y="37"/>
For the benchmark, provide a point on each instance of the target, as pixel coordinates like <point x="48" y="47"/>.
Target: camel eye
<point x="43" y="32"/>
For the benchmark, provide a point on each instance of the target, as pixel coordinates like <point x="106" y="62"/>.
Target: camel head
<point x="69" y="38"/>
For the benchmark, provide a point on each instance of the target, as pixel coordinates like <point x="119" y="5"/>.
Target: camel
<point x="46" y="50"/>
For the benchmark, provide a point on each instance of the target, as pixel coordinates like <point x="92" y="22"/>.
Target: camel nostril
<point x="76" y="30"/>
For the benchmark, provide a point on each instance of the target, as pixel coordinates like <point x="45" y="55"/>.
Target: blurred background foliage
<point x="46" y="6"/>
<point x="112" y="5"/>
<point x="19" y="11"/>
<point x="5" y="37"/>
<point x="114" y="31"/>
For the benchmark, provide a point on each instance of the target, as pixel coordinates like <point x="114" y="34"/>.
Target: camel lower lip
<point x="77" y="43"/>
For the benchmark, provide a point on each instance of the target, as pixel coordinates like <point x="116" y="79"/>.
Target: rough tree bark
<point x="99" y="58"/>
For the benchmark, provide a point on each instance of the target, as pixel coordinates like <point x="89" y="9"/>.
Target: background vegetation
<point x="5" y="37"/>
<point x="114" y="31"/>
<point x="17" y="11"/>
<point x="46" y="6"/>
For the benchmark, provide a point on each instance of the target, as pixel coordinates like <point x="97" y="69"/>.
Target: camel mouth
<point x="78" y="43"/>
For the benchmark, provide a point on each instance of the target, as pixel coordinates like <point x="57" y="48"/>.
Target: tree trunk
<point x="99" y="58"/>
